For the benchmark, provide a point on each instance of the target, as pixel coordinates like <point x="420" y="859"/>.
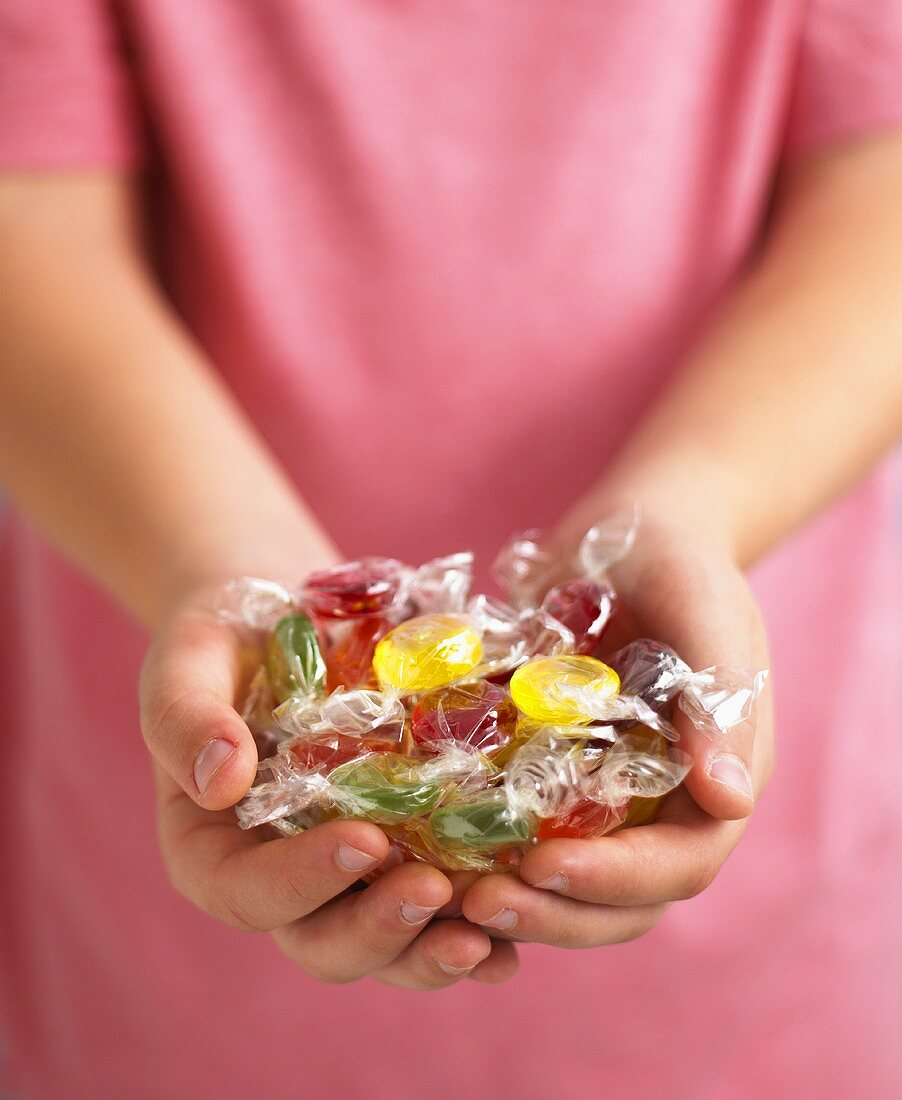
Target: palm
<point x="675" y="588"/>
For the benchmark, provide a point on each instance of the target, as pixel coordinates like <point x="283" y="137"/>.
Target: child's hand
<point x="675" y="588"/>
<point x="295" y="888"/>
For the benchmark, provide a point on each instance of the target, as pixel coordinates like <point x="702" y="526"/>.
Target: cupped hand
<point x="299" y="888"/>
<point x="678" y="588"/>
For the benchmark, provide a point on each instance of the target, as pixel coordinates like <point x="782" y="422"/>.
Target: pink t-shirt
<point x="445" y="254"/>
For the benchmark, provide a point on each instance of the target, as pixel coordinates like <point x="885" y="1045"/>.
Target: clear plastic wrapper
<point x="636" y="766"/>
<point x="718" y="699"/>
<point x="250" y="603"/>
<point x="574" y="599"/>
<point x="356" y="604"/>
<point x="441" y="586"/>
<point x="579" y="690"/>
<point x="608" y="542"/>
<point x="257" y="712"/>
<point x="510" y="637"/>
<point x="352" y="607"/>
<point x="427" y="652"/>
<point x="363" y="713"/>
<point x="526" y="568"/>
<point x="285" y="787"/>
<point x="467" y="727"/>
<point x="715" y="699"/>
<point x="310" y="776"/>
<point x="294" y="663"/>
<point x="480" y="716"/>
<point x="629" y="778"/>
<point x="458" y="765"/>
<point x="551" y="772"/>
<point x="570" y="690"/>
<point x="481" y="822"/>
<point x="371" y="586"/>
<point x="385" y="788"/>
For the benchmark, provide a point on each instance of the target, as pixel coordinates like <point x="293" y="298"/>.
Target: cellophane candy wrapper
<point x="468" y="727"/>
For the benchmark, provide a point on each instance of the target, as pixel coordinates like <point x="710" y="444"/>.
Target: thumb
<point x="188" y="720"/>
<point x="723" y="777"/>
<point x="728" y="737"/>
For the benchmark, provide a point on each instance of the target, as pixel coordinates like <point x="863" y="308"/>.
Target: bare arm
<point x="797" y="388"/>
<point x="788" y="399"/>
<point x="115" y="436"/>
<point x="117" y="439"/>
<point x="754" y="436"/>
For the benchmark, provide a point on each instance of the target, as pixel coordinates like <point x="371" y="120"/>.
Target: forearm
<point x="796" y="389"/>
<point x="115" y="436"/>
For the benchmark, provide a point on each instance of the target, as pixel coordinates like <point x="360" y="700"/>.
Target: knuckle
<point x="235" y="914"/>
<point x="698" y="880"/>
<point x="167" y="720"/>
<point x="625" y="877"/>
<point x="619" y="887"/>
<point x="297" y="892"/>
<point x="568" y="935"/>
<point x="223" y="900"/>
<point x="629" y="876"/>
<point x="382" y="937"/>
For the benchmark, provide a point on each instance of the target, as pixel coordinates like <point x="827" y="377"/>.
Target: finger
<point x="706" y="613"/>
<point x="254" y="883"/>
<point x="446" y="952"/>
<point x="503" y="962"/>
<point x="675" y="858"/>
<point x="191" y="728"/>
<point x="505" y="906"/>
<point x="501" y="965"/>
<point x="366" y="931"/>
<point x="461" y="881"/>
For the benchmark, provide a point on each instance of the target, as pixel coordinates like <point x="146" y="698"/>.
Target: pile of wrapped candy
<point x="467" y="727"/>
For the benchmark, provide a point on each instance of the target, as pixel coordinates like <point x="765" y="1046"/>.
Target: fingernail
<point x="352" y="859"/>
<point x="504" y="919"/>
<point x="209" y="759"/>
<point x="730" y="772"/>
<point x="556" y="882"/>
<point x="416" y="914"/>
<point x="449" y="969"/>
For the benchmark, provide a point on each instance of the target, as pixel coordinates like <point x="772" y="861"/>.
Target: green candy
<point x="384" y="788"/>
<point x="483" y="825"/>
<point x="294" y="663"/>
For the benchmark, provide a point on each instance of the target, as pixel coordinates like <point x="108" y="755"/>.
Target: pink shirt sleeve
<point x="850" y="72"/>
<point x="66" y="98"/>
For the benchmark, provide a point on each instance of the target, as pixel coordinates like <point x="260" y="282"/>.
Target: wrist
<point x="688" y="499"/>
<point x="284" y="552"/>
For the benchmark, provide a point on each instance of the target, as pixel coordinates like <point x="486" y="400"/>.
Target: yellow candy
<point x="426" y="653"/>
<point x="537" y="686"/>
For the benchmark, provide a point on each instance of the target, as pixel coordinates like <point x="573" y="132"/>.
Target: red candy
<point x="584" y="606"/>
<point x="354" y="606"/>
<point x="348" y="647"/>
<point x="365" y="587"/>
<point x="586" y="819"/>
<point x="325" y="751"/>
<point x="480" y="715"/>
<point x="324" y="754"/>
